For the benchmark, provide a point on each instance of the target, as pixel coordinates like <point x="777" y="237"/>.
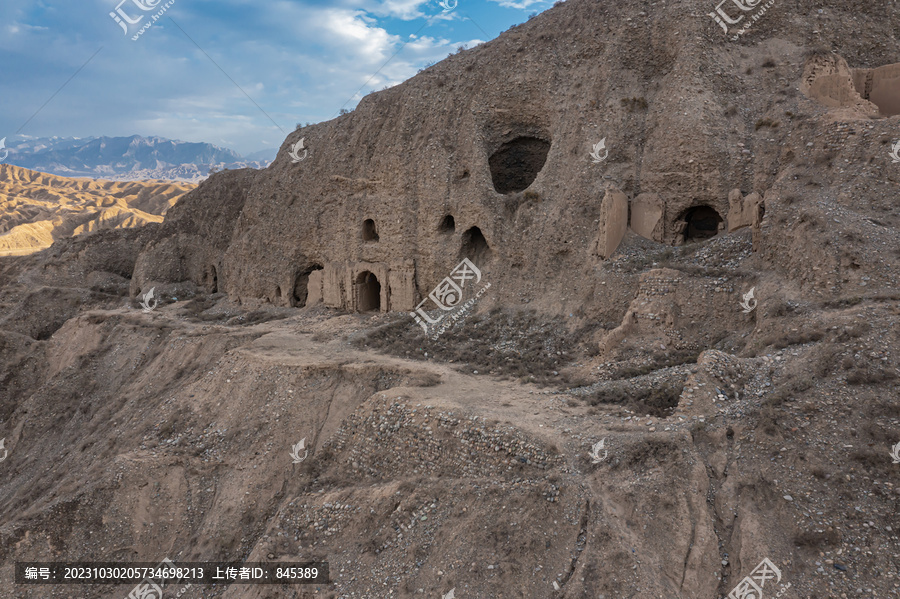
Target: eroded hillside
<point x="686" y="362"/>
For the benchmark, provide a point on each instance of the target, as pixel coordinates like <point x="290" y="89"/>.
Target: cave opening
<point x="701" y="222"/>
<point x="475" y="247"/>
<point x="369" y="232"/>
<point x="212" y="280"/>
<point x="368" y="291"/>
<point x="301" y="286"/>
<point x="517" y="163"/>
<point x="448" y="224"/>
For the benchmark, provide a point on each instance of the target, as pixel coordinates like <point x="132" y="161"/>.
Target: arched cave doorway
<point x="517" y="163"/>
<point x="301" y="286"/>
<point x="368" y="292"/>
<point x="448" y="224"/>
<point x="701" y="222"/>
<point x="475" y="247"/>
<point x="369" y="232"/>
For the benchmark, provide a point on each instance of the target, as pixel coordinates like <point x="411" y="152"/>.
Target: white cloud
<point x="297" y="60"/>
<point x="406" y="10"/>
<point x="521" y="5"/>
<point x="402" y="9"/>
<point x="355" y="34"/>
<point x="15" y="28"/>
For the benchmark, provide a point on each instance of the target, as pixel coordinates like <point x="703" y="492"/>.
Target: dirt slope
<point x="171" y="434"/>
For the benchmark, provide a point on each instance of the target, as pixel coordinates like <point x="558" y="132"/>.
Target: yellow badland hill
<point x="37" y="208"/>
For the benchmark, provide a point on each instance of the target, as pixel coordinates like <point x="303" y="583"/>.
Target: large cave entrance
<point x="301" y="286"/>
<point x="517" y="163"/>
<point x="368" y="292"/>
<point x="701" y="222"/>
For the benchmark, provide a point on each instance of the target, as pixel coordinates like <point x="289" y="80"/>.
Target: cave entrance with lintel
<point x="368" y="292"/>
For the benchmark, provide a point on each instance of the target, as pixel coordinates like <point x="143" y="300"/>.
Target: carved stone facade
<point x="364" y="286"/>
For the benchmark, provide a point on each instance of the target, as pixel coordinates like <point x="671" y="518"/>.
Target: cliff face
<point x="498" y="140"/>
<point x="190" y="243"/>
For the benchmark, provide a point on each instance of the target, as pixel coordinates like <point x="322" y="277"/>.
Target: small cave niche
<point x="701" y="222"/>
<point x="448" y="224"/>
<point x="368" y="292"/>
<point x="516" y="164"/>
<point x="475" y="247"/>
<point x="301" y="286"/>
<point x="369" y="232"/>
<point x="212" y="279"/>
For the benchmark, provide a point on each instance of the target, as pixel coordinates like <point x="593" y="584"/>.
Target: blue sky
<point x="298" y="60"/>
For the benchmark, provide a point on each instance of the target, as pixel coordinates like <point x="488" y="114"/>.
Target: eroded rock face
<point x="881" y="86"/>
<point x="462" y="140"/>
<point x="613" y="223"/>
<point x="480" y="157"/>
<point x="191" y="242"/>
<point x="746" y="212"/>
<point x="829" y="80"/>
<point x="647" y="211"/>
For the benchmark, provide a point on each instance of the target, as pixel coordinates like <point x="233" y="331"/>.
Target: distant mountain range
<point x="127" y="158"/>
